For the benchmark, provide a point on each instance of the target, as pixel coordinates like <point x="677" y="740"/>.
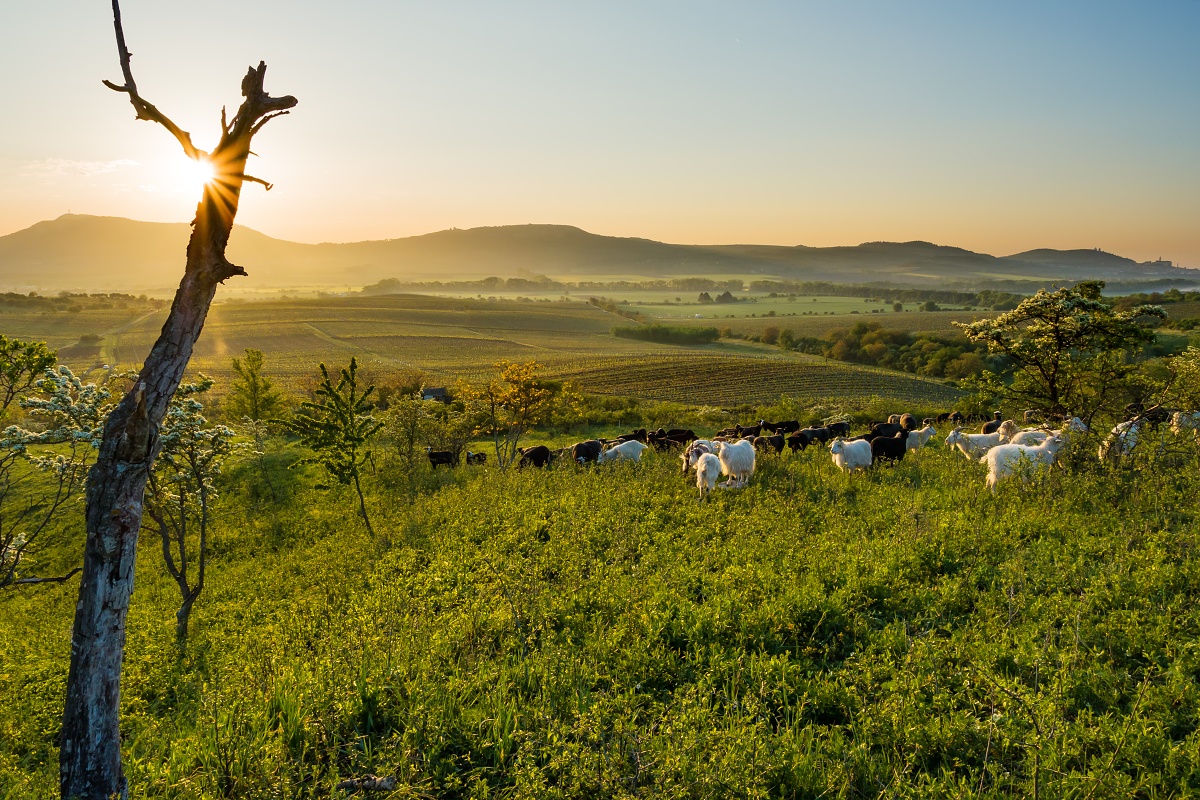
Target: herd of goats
<point x="1001" y="444"/>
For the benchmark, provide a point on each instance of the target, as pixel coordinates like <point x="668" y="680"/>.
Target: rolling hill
<point x="78" y="252"/>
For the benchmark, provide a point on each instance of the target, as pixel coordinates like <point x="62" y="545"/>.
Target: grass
<point x="598" y="633"/>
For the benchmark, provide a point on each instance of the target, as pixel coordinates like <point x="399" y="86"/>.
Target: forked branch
<point x="145" y="109"/>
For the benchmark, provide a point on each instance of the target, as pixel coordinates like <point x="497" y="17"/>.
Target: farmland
<point x="453" y="338"/>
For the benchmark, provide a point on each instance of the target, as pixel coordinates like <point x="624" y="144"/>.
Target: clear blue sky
<point x="997" y="127"/>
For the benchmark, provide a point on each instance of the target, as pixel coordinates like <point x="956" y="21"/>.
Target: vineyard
<point x="741" y="380"/>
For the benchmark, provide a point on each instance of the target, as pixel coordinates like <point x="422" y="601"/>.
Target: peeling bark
<point x="90" y="754"/>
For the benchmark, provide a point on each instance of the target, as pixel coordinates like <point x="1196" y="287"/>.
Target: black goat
<point x="889" y="449"/>
<point x="537" y="456"/>
<point x="839" y="428"/>
<point x="586" y="452"/>
<point x="439" y="457"/>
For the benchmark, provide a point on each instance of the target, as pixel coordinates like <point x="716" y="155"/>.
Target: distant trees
<point x="182" y="491"/>
<point x="252" y="395"/>
<point x="339" y="427"/>
<point x="668" y="334"/>
<point x="1072" y="351"/>
<point x="921" y="353"/>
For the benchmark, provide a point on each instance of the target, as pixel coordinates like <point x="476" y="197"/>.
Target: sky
<point x="998" y="127"/>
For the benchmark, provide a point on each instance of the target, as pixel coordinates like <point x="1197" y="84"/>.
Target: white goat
<point x="708" y="469"/>
<point x="1122" y="439"/>
<point x="918" y="439"/>
<point x="1186" y="421"/>
<point x="1033" y="436"/>
<point x="973" y="445"/>
<point x="851" y="456"/>
<point x="692" y="453"/>
<point x="1007" y="430"/>
<point x="625" y="451"/>
<point x="1004" y="460"/>
<point x="737" y="461"/>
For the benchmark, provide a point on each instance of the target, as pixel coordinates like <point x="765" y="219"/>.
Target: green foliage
<point x="924" y="353"/>
<point x="667" y="334"/>
<point x="509" y="406"/>
<point x="338" y="427"/>
<point x="1070" y="348"/>
<point x="21" y="364"/>
<point x="181" y="494"/>
<point x="42" y="470"/>
<point x="252" y="394"/>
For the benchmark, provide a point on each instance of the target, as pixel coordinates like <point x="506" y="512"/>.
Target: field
<point x="732" y="380"/>
<point x="453" y="338"/>
<point x="598" y="633"/>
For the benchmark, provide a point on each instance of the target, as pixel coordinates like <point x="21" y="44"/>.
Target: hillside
<point x="78" y="252"/>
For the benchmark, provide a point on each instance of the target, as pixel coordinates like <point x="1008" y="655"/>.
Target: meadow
<point x="597" y="632"/>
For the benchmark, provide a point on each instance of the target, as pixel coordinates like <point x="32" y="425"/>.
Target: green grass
<point x="598" y="633"/>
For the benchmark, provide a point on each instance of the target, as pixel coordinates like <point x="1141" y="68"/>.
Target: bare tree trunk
<point x="90" y="755"/>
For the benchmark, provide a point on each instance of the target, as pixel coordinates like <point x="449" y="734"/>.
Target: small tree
<point x="338" y="426"/>
<point x="1070" y="348"/>
<point x="41" y="471"/>
<point x="182" y="491"/>
<point x="508" y="406"/>
<point x="21" y="364"/>
<point x="252" y="394"/>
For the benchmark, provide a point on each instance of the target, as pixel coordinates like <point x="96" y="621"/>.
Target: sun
<point x="192" y="175"/>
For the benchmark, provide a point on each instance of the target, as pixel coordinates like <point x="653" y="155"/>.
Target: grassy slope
<point x="598" y="633"/>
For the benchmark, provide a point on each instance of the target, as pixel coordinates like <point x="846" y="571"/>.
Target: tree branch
<point x="146" y="110"/>
<point x="252" y="179"/>
<point x="60" y="579"/>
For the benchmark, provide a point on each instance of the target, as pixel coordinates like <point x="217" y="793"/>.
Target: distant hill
<point x="77" y="252"/>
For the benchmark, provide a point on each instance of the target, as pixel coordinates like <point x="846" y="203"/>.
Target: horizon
<point x="607" y="235"/>
<point x="994" y="130"/>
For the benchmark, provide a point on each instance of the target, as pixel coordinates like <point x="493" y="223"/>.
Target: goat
<point x="893" y="450"/>
<point x="538" y="456"/>
<point x="1122" y="439"/>
<point x="886" y="429"/>
<point x="737" y="461"/>
<point x="626" y="451"/>
<point x="692" y="454"/>
<point x="439" y="457"/>
<point x="918" y="439"/>
<point x="851" y="456"/>
<point x="1003" y="460"/>
<point x="993" y="424"/>
<point x="973" y="445"/>
<point x="708" y="469"/>
<point x="476" y="458"/>
<point x="764" y="442"/>
<point x="585" y="452"/>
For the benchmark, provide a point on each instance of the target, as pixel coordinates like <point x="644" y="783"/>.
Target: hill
<point x="79" y="252"/>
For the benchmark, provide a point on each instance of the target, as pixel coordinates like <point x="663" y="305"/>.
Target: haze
<point x="998" y="128"/>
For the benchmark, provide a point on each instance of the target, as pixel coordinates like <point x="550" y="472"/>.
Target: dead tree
<point x="90" y="755"/>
